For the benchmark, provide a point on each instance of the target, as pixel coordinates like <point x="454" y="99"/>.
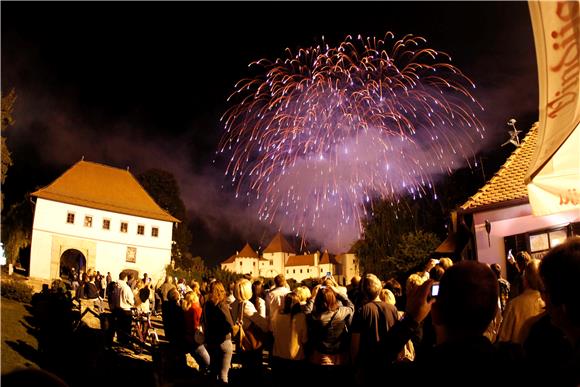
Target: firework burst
<point x="316" y="136"/>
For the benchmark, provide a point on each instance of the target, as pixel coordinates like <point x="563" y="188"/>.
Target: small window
<point x="254" y="264"/>
<point x="308" y="270"/>
<point x="106" y="224"/>
<point x="131" y="254"/>
<point x="240" y="263"/>
<point x="300" y="271"/>
<point x="287" y="271"/>
<point x="321" y="270"/>
<point x="88" y="221"/>
<point x="70" y="218"/>
<point x="141" y="229"/>
<point x="271" y="262"/>
<point x="124" y="226"/>
<point x="293" y="271"/>
<point x="154" y="232"/>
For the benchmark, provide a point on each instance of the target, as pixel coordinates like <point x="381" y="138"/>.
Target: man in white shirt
<point x="275" y="297"/>
<point x="123" y="312"/>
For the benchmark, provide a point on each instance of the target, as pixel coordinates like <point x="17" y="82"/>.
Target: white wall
<point x="50" y="225"/>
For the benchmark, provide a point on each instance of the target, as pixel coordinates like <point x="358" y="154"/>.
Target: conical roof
<point x="279" y="244"/>
<point x="248" y="252"/>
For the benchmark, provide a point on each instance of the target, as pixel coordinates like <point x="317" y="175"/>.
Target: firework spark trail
<point x="317" y="135"/>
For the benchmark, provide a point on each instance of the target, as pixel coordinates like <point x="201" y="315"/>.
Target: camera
<point x="435" y="289"/>
<point x="328" y="275"/>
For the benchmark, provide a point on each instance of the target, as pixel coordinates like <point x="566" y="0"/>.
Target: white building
<point x="98" y="217"/>
<point x="503" y="205"/>
<point x="280" y="258"/>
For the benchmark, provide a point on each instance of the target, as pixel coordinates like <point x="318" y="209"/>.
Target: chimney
<point x="316" y="258"/>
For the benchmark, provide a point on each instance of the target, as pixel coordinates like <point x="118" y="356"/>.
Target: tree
<point x="163" y="188"/>
<point x="17" y="229"/>
<point x="7" y="120"/>
<point x="394" y="241"/>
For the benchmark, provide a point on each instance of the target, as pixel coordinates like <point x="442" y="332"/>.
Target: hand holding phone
<point x="434" y="289"/>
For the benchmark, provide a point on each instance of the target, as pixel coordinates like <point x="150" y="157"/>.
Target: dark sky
<point x="143" y="84"/>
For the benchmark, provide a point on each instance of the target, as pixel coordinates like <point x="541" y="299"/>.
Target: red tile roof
<point x="279" y="245"/>
<point x="103" y="187"/>
<point x="230" y="259"/>
<point x="300" y="260"/>
<point x="248" y="252"/>
<point x="507" y="186"/>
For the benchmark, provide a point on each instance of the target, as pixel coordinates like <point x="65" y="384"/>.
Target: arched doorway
<point x="72" y="259"/>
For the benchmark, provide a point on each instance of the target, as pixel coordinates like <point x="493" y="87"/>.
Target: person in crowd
<point x="395" y="287"/>
<point x="219" y="328"/>
<point x="245" y="312"/>
<point x="166" y="287"/>
<point x="436" y="272"/>
<point x="464" y="308"/>
<point x="504" y="286"/>
<point x="109" y="278"/>
<point x="328" y="326"/>
<point x="370" y="324"/>
<point x="560" y="270"/>
<point x="193" y="313"/>
<point x="123" y="310"/>
<point x="290" y="337"/>
<point x="526" y="305"/>
<point x="275" y="296"/>
<point x="515" y="270"/>
<point x="445" y="263"/>
<point x="196" y="288"/>
<point x="304" y="294"/>
<point x="231" y="298"/>
<point x="258" y="298"/>
<point x="142" y="297"/>
<point x="353" y="292"/>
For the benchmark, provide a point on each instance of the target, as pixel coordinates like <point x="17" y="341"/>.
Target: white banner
<point x="554" y="174"/>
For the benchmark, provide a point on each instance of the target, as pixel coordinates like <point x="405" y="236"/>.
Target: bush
<point x="17" y="290"/>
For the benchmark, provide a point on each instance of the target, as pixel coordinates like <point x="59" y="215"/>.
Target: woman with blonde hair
<point x="193" y="321"/>
<point x="245" y="313"/>
<point x="218" y="331"/>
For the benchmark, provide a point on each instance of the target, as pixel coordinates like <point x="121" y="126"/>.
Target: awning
<point x="554" y="175"/>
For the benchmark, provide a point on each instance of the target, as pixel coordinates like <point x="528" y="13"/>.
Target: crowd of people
<point x="479" y="329"/>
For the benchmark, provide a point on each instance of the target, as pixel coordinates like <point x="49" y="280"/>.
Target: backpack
<point x="331" y="338"/>
<point x="113" y="295"/>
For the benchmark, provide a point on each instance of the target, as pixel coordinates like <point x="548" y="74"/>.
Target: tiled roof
<point x="327" y="258"/>
<point x="230" y="259"/>
<point x="300" y="260"/>
<point x="507" y="185"/>
<point x="103" y="187"/>
<point x="248" y="252"/>
<point x="279" y="245"/>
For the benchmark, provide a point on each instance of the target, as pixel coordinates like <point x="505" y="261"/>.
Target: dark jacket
<point x="218" y="322"/>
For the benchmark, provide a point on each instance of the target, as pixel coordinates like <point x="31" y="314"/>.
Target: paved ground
<point x="18" y="344"/>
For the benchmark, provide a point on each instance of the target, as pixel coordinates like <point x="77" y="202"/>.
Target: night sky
<point x="143" y="84"/>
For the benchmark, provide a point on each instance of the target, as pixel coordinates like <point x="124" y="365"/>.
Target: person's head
<point x="173" y="295"/>
<point x="145" y="276"/>
<point x="445" y="263"/>
<point x="280" y="280"/>
<point x="467" y="300"/>
<point x="355" y="281"/>
<point x="189" y="300"/>
<point x="291" y="304"/>
<point x="532" y="279"/>
<point x="394" y="286"/>
<point x="243" y="290"/>
<point x="325" y="300"/>
<point x="371" y="286"/>
<point x="388" y="297"/>
<point x="194" y="285"/>
<point x="217" y="292"/>
<point x="303" y="293"/>
<point x="436" y="273"/>
<point x="522" y="259"/>
<point x="496" y="268"/>
<point x="560" y="271"/>
<point x="414" y="281"/>
<point x="123" y="276"/>
<point x="257" y="289"/>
